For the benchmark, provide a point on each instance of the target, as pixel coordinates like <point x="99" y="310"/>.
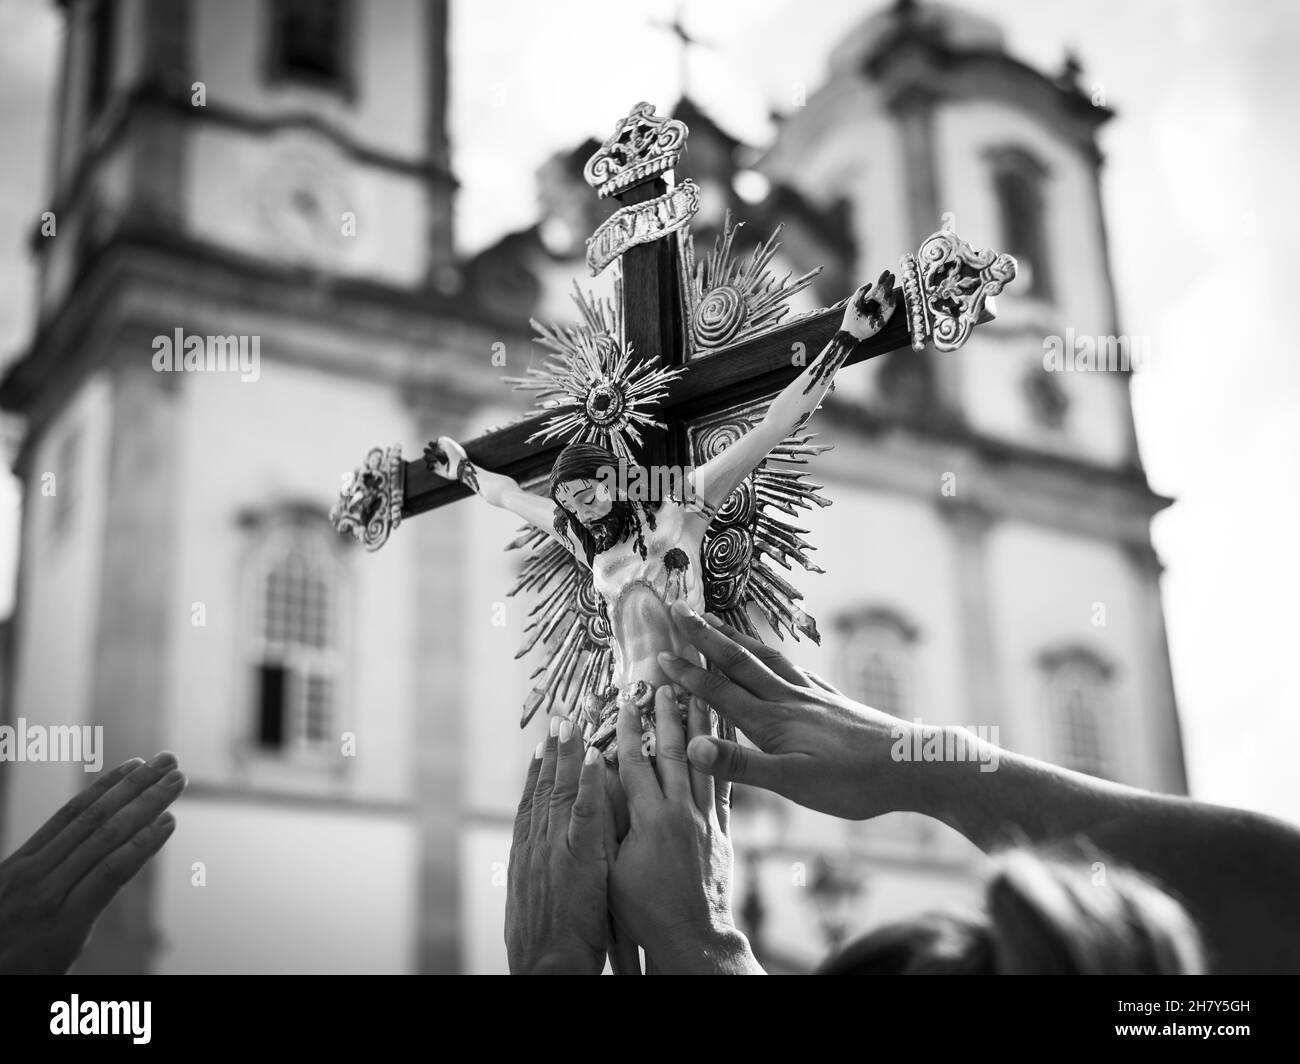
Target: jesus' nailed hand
<point x="644" y="555"/>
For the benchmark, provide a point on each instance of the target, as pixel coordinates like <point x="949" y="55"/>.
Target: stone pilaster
<point x="135" y="630"/>
<point x="442" y="683"/>
<point x="969" y="525"/>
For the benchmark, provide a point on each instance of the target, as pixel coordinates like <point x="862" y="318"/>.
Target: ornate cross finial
<point x="949" y="288"/>
<point x="370" y="504"/>
<point x="641" y="147"/>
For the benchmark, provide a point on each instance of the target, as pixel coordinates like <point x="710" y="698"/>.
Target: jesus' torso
<point x="638" y="591"/>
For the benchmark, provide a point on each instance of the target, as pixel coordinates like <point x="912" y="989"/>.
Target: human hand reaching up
<point x="815" y="746"/>
<point x="556" y="912"/>
<point x="670" y="883"/>
<point x="56" y="885"/>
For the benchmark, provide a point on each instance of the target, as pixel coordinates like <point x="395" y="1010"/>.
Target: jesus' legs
<point x="643" y="629"/>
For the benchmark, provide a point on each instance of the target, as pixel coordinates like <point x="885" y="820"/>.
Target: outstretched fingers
<point x="115" y="843"/>
<point x="568" y="767"/>
<point x="714" y="689"/>
<point x="111" y="873"/>
<point x="587" y="824"/>
<point x="68" y="814"/>
<point x="92" y="822"/>
<point x="545" y="783"/>
<point x="524" y="814"/>
<point x="734" y="660"/>
<point x="726" y="760"/>
<point x="769" y="657"/>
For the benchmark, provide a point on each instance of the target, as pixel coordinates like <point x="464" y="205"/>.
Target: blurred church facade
<point x="348" y="720"/>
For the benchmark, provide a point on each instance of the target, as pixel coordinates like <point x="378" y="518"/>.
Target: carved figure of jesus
<point x="644" y="555"/>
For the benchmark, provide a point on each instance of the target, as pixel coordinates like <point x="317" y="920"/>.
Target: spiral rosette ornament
<point x="730" y="298"/>
<point x="719" y="317"/>
<point x="727" y="553"/>
<point x="746" y="534"/>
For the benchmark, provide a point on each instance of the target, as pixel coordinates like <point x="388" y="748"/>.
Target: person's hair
<point x="585" y="461"/>
<point x="1042" y="916"/>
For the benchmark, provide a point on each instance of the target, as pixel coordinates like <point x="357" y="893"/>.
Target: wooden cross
<point x="946" y="289"/>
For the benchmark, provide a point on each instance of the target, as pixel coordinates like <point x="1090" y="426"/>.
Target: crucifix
<point x="671" y="429"/>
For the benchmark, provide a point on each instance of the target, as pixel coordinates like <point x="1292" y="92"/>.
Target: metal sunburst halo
<point x="598" y="393"/>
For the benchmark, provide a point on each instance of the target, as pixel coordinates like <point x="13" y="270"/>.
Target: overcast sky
<point x="1198" y="183"/>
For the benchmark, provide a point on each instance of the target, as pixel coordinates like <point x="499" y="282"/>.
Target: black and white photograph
<point x="722" y="487"/>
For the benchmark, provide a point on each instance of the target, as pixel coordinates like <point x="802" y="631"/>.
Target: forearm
<point x="505" y="493"/>
<point x="865" y="314"/>
<point x="496" y="490"/>
<point x="1237" y="873"/>
<point x="795" y="403"/>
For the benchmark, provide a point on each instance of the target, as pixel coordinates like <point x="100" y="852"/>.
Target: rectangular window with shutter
<point x="295" y="656"/>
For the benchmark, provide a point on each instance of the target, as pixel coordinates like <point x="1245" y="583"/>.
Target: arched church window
<point x="297" y="653"/>
<point x="1079" y="711"/>
<point x="875" y="657"/>
<point x="1019" y="182"/>
<point x="309" y="43"/>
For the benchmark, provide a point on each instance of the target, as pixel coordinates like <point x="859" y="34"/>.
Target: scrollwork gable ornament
<point x="949" y="287"/>
<point x="643" y="145"/>
<point x="370" y="505"/>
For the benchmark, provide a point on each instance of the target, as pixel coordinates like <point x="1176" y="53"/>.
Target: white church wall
<point x="231" y="427"/>
<point x="884" y="550"/>
<point x="498" y="749"/>
<point x="1050" y="589"/>
<point x="331" y="892"/>
<point x="484" y="860"/>
<point x="238" y="186"/>
<point x="55" y="648"/>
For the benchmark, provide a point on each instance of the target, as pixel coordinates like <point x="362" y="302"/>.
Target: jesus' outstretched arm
<point x="447" y="458"/>
<point x="864" y="316"/>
